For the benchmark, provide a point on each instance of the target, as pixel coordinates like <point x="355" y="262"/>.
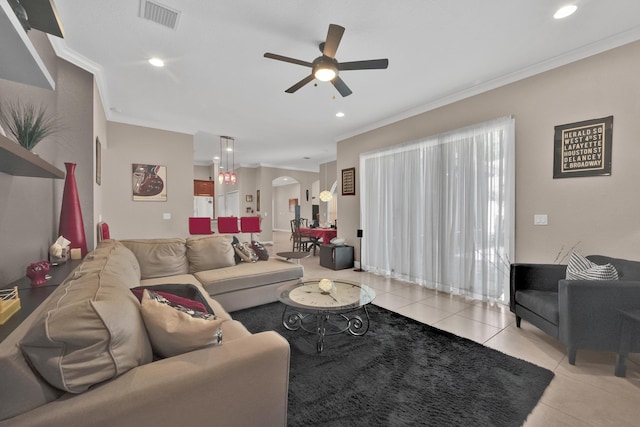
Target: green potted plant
<point x="29" y="124"/>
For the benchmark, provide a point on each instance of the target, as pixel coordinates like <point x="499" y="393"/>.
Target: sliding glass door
<point x="440" y="211"/>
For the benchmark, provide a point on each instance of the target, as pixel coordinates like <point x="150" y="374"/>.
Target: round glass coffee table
<point x="294" y="255"/>
<point x="326" y="307"/>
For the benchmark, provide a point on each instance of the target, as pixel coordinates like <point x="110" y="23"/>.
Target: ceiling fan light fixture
<point x="325" y="68"/>
<point x="325" y="74"/>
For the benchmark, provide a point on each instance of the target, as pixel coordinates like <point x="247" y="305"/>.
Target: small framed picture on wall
<point x="583" y="148"/>
<point x="149" y="183"/>
<point x="98" y="162"/>
<point x="349" y="182"/>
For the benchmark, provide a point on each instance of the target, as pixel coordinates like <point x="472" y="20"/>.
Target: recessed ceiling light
<point x="340" y="114"/>
<point x="156" y="62"/>
<point x="565" y="11"/>
<point x="216" y="157"/>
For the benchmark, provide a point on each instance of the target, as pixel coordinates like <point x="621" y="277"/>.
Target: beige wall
<point x="204" y="173"/>
<point x="130" y="144"/>
<point x="30" y="207"/>
<point x="595" y="214"/>
<point x="282" y="216"/>
<point x="99" y="133"/>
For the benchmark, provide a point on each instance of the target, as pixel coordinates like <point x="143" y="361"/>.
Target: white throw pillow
<point x="174" y="332"/>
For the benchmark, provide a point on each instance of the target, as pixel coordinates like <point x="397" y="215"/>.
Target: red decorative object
<point x="37" y="272"/>
<point x="71" y="224"/>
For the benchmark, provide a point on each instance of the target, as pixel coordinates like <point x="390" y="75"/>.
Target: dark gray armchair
<point x="582" y="314"/>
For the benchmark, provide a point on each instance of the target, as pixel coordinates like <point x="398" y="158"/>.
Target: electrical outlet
<point x="166" y="215"/>
<point x="540" y="219"/>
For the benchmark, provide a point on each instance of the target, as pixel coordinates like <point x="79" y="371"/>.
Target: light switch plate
<point x="540" y="219"/>
<point x="166" y="215"/>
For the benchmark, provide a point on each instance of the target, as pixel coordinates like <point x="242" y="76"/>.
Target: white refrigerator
<point x="203" y="206"/>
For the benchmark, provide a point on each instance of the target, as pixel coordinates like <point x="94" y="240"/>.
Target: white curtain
<point x="440" y="211"/>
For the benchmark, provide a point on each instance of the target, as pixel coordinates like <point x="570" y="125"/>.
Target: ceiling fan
<point x="326" y="67"/>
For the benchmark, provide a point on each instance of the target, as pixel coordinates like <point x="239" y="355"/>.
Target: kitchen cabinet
<point x="203" y="188"/>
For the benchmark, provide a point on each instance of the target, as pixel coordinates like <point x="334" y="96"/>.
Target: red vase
<point x="71" y="224"/>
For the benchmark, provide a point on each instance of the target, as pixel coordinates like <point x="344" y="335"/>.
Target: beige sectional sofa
<point x="84" y="357"/>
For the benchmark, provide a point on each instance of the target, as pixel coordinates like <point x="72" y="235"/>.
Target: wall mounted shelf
<point x="20" y="61"/>
<point x="18" y="161"/>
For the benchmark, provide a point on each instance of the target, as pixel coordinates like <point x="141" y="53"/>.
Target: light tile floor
<point x="587" y="394"/>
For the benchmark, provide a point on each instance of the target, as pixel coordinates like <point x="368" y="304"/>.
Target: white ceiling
<point x="217" y="82"/>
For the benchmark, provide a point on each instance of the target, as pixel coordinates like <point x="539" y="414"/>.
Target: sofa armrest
<point x="542" y="277"/>
<point x="241" y="382"/>
<point x="589" y="316"/>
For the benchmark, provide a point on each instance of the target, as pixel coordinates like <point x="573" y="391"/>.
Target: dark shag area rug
<point x="401" y="373"/>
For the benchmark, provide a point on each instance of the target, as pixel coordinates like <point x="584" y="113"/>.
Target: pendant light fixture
<point x="227" y="145"/>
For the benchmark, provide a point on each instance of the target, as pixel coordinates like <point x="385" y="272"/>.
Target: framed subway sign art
<point x="583" y="148"/>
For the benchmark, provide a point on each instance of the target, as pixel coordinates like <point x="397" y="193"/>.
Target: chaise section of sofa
<point x="249" y="284"/>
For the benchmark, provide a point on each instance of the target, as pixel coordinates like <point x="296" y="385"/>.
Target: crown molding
<point x="592" y="49"/>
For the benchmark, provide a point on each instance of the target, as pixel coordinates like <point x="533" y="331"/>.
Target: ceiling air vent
<point x="158" y="13"/>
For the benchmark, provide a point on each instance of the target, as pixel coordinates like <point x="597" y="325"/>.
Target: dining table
<point x="326" y="234"/>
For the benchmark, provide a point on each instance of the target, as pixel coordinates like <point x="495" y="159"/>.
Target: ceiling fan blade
<point x="341" y="86"/>
<point x="287" y="59"/>
<point x="334" y="35"/>
<point x="301" y="83"/>
<point x="372" y="64"/>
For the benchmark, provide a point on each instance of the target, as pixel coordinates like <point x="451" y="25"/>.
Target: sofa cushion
<point x="173" y="331"/>
<point x="543" y="303"/>
<point x="20" y="388"/>
<point x="248" y="275"/>
<point x="89" y="331"/>
<point x="580" y="268"/>
<point x="182" y="290"/>
<point x="159" y="257"/>
<point x="173" y="300"/>
<point x="189" y="279"/>
<point x="209" y="252"/>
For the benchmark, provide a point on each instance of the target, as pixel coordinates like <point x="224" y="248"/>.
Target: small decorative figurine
<point x="37" y="272"/>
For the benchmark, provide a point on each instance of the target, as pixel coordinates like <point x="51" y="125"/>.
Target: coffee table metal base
<point x="325" y="323"/>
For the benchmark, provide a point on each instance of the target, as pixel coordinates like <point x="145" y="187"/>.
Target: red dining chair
<point x="228" y="224"/>
<point x="200" y="225"/>
<point x="250" y="224"/>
